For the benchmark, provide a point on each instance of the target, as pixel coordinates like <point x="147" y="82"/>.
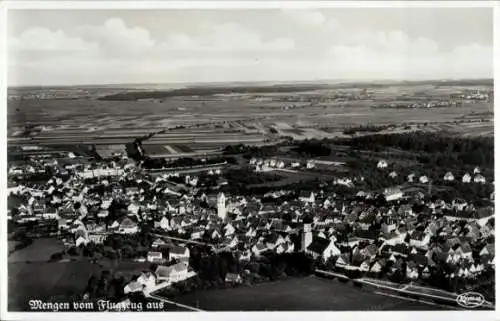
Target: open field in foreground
<point x="46" y="281"/>
<point x="308" y="293"/>
<point x="39" y="251"/>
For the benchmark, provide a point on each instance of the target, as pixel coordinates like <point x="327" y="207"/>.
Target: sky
<point x="78" y="47"/>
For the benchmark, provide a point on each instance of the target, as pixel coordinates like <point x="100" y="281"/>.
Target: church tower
<point x="221" y="206"/>
<point x="306" y="237"/>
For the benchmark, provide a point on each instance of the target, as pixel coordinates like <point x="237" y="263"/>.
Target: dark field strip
<point x="308" y="293"/>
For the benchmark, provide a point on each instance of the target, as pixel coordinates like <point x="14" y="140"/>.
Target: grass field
<point x="46" y="281"/>
<point x="309" y="293"/>
<point x="39" y="251"/>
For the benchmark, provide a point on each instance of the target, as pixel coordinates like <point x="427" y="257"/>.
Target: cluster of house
<point x="476" y="176"/>
<point x="349" y="230"/>
<point x="264" y="165"/>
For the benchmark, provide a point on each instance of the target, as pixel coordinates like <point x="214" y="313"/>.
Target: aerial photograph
<point x="273" y="159"/>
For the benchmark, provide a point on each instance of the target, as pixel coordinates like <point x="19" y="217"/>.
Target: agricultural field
<point x="210" y="121"/>
<point x="46" y="281"/>
<point x="308" y="293"/>
<point x="39" y="251"/>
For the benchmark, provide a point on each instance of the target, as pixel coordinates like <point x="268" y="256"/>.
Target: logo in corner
<point x="470" y="300"/>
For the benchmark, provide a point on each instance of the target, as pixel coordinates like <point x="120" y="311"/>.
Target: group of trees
<point x="435" y="149"/>
<point x="245" y="176"/>
<point x="207" y="91"/>
<point x="250" y="151"/>
<point x="155" y="163"/>
<point x="212" y="269"/>
<point x="364" y="129"/>
<point x="313" y="148"/>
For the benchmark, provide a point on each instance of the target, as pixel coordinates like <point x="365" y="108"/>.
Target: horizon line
<point x="319" y="81"/>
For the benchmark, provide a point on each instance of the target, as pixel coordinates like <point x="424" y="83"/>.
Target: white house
<point x="148" y="281"/>
<point x="411" y="177"/>
<point x="172" y="273"/>
<point x="382" y="164"/>
<point x="449" y="177"/>
<point x="310" y="165"/>
<point x="479" y="179"/>
<point x="466" y="178"/>
<point x="180" y="253"/>
<point x="423" y="179"/>
<point x="163" y="223"/>
<point x="155" y="257"/>
<point x="393" y="174"/>
<point x="392" y="194"/>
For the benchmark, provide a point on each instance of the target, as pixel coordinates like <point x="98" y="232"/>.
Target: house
<point x="477" y="170"/>
<point x="229" y="229"/>
<point x="378" y="266"/>
<point x="488" y="250"/>
<point x="81" y="240"/>
<point x="132" y="287"/>
<point x="322" y="248"/>
<point x="310" y="165"/>
<point x="232" y="278"/>
<point x="97" y="238"/>
<point x="392" y="194"/>
<point x="179" y="253"/>
<point x="287" y="247"/>
<point x="127" y="226"/>
<point x="423" y="179"/>
<point x="393" y="174"/>
<point x="173" y="273"/>
<point x="466" y="178"/>
<point x="155" y="257"/>
<point x="479" y="179"/>
<point x="449" y="177"/>
<point x="306" y="197"/>
<point x="148" y="280"/>
<point x="382" y="164"/>
<point x="273" y="240"/>
<point x="163" y="223"/>
<point x="412" y="271"/>
<point x="365" y="266"/>
<point x="295" y="164"/>
<point x="410" y="178"/>
<point x="259" y="248"/>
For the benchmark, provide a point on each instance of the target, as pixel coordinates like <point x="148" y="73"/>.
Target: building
<point x="306" y="237"/>
<point x="466" y="178"/>
<point x="479" y="179"/>
<point x="393" y="194"/>
<point x="221" y="206"/>
<point x="172" y="273"/>
<point x="449" y="177"/>
<point x="322" y="248"/>
<point x="382" y="164"/>
<point x="155" y="257"/>
<point x="307" y="197"/>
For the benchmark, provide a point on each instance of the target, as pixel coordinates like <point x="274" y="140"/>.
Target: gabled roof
<point x="318" y="245"/>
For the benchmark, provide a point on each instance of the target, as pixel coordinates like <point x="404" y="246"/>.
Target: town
<point x="150" y="230"/>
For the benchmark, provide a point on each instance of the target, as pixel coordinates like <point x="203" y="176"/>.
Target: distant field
<point x="117" y="122"/>
<point x="309" y="293"/>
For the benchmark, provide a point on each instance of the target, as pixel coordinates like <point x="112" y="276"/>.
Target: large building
<point x="221" y="206"/>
